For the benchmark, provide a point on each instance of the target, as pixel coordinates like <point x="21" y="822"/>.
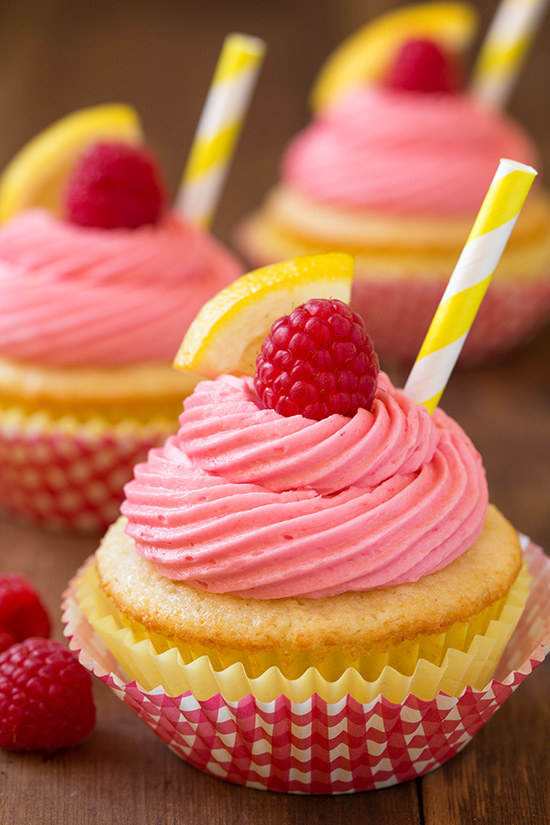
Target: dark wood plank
<point x="503" y="775"/>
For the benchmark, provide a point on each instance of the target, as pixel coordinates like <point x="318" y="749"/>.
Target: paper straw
<point x="468" y="283"/>
<point x="219" y="127"/>
<point x="504" y="49"/>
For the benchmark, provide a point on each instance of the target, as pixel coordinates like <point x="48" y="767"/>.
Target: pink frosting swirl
<point x="404" y="152"/>
<point x="244" y="501"/>
<point x="74" y="296"/>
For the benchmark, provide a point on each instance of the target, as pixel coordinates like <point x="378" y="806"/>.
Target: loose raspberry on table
<point x="115" y="185"/>
<point x="22" y="614"/>
<point x="46" y="698"/>
<point x="422" y="66"/>
<point x="317" y="361"/>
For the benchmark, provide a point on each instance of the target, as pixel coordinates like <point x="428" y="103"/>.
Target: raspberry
<point x="422" y="66"/>
<point x="7" y="639"/>
<point x="115" y="185"/>
<point x="46" y="698"/>
<point x="317" y="361"/>
<point x="22" y="614"/>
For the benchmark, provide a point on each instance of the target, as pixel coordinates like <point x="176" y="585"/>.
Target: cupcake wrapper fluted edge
<point x="316" y="746"/>
<point x="67" y="474"/>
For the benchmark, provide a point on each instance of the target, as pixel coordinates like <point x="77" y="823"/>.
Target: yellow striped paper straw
<point x="219" y="127"/>
<point x="504" y="49"/>
<point x="468" y="283"/>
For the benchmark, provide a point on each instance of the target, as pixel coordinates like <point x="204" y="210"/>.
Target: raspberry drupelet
<point x="317" y="361"/>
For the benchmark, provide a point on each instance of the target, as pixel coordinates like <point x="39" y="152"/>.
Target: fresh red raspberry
<point x="46" y="699"/>
<point x="317" y="361"/>
<point x="22" y="614"/>
<point x="422" y="66"/>
<point x="7" y="639"/>
<point x="115" y="185"/>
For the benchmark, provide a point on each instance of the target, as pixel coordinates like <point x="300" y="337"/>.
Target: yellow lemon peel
<point x="227" y="333"/>
<point x="367" y="55"/>
<point x="36" y="175"/>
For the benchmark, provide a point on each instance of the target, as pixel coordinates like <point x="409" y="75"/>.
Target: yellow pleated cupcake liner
<point x="15" y="420"/>
<point x="467" y="654"/>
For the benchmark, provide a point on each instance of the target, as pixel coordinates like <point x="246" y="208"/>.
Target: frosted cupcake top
<point x="79" y="296"/>
<point x="403" y="153"/>
<point x="244" y="501"/>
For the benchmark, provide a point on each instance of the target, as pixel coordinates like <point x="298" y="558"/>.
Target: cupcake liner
<point x="400" y="311"/>
<point x="67" y="474"/>
<point x="398" y="301"/>
<point x="318" y="745"/>
<point x="466" y="654"/>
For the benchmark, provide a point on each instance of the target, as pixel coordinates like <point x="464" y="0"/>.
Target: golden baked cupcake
<point x="393" y="168"/>
<point x="309" y="549"/>
<point x="98" y="277"/>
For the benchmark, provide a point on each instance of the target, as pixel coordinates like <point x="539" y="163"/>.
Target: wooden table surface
<point x="56" y="56"/>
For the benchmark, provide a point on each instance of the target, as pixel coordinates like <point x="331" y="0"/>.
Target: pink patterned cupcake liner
<point x="319" y="747"/>
<point x="67" y="475"/>
<point x="398" y="313"/>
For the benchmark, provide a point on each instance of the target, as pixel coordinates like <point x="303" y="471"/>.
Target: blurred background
<point x="60" y="55"/>
<point x="159" y="55"/>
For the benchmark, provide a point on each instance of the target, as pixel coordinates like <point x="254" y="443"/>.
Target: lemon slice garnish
<point x="37" y="174"/>
<point x="367" y="55"/>
<point x="227" y="334"/>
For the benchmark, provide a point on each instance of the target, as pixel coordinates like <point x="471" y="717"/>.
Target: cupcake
<point x="393" y="168"/>
<point x="98" y="276"/>
<point x="307" y="589"/>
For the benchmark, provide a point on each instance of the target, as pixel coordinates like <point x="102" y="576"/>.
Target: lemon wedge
<point x="227" y="334"/>
<point x="37" y="174"/>
<point x="367" y="55"/>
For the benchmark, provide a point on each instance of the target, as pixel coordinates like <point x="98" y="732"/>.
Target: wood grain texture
<point x="503" y="775"/>
<point x="56" y="56"/>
